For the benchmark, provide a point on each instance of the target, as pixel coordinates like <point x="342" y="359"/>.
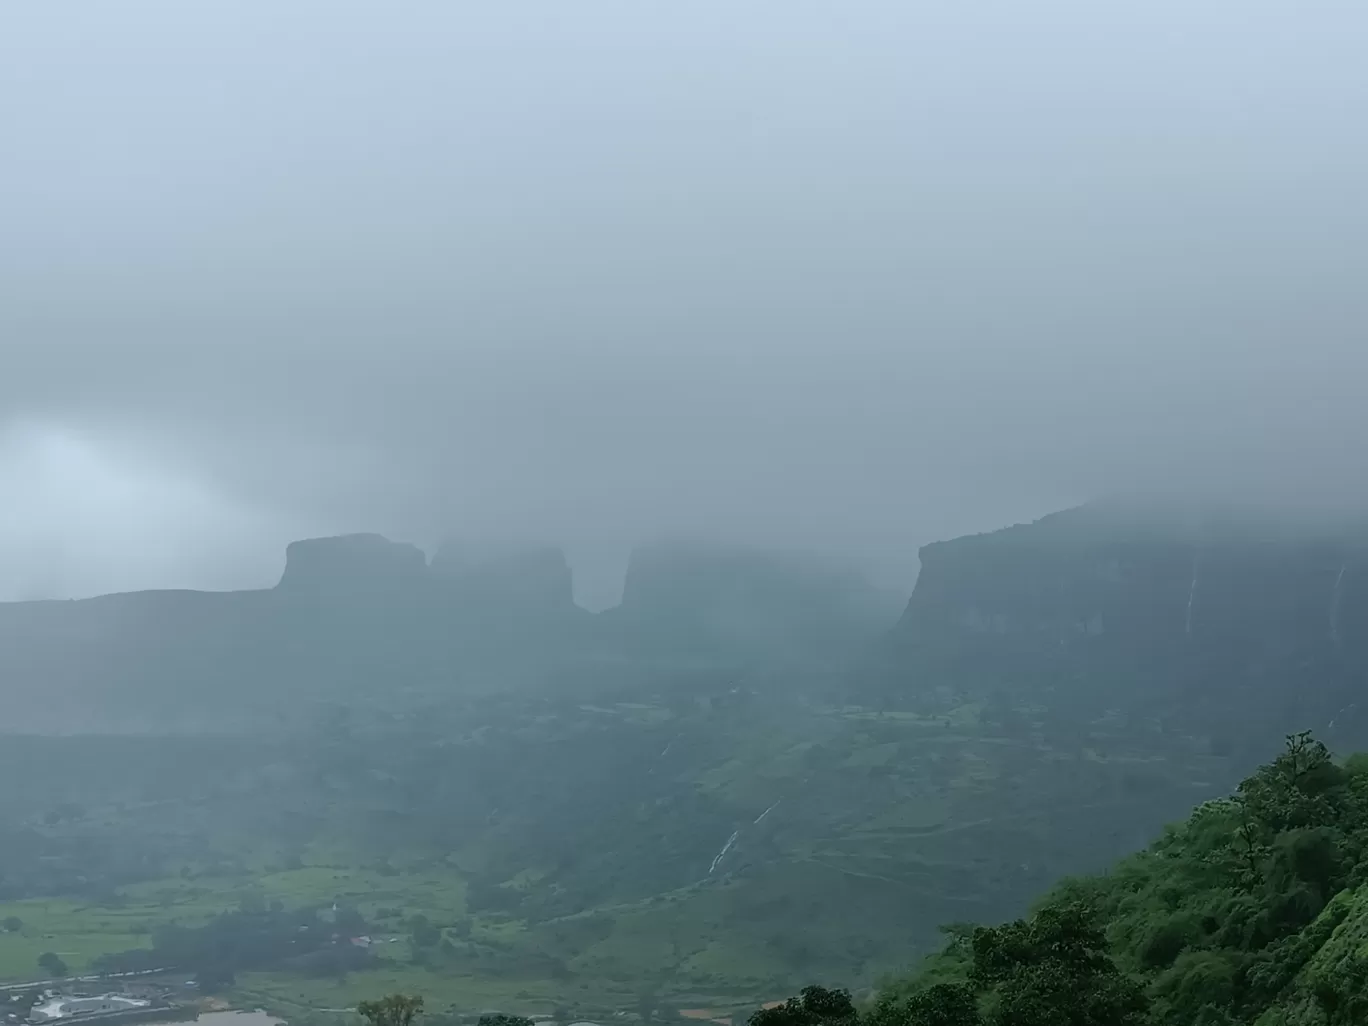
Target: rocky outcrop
<point x="353" y="563"/>
<point x="1093" y="571"/>
<point x="1221" y="619"/>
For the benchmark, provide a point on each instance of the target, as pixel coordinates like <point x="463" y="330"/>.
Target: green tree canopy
<point x="815" y="1006"/>
<point x="393" y="1010"/>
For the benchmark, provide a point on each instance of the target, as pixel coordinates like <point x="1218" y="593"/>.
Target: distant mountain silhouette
<point x="360" y="616"/>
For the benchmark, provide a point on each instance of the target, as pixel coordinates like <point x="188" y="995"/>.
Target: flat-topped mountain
<point x="352" y="563"/>
<point x="1236" y="624"/>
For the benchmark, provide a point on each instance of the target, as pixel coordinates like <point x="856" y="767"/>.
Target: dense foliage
<point x="1254" y="911"/>
<point x="393" y="1010"/>
<point x="252" y="938"/>
<point x="815" y="1006"/>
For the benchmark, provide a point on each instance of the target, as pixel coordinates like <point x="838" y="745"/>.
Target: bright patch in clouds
<point x="79" y="517"/>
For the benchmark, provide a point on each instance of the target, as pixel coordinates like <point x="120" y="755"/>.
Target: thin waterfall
<point x="725" y="848"/>
<point x="1335" y="604"/>
<point x="1192" y="594"/>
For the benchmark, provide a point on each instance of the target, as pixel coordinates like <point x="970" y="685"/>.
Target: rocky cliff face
<point x="1232" y="623"/>
<point x="353" y="563"/>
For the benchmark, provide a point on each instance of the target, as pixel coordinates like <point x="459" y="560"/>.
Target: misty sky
<point x="850" y="276"/>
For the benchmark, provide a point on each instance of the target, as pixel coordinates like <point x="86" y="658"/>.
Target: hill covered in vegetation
<point x="1253" y="912"/>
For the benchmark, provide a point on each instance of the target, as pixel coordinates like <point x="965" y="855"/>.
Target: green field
<point x="78" y="932"/>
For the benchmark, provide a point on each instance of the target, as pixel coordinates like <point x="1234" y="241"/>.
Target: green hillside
<point x="1252" y="912"/>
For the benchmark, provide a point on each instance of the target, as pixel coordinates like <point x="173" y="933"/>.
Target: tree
<point x="393" y="1010"/>
<point x="815" y="1006"/>
<point x="943" y="1004"/>
<point x="1054" y="968"/>
<point x="647" y="1002"/>
<point x="425" y="935"/>
<point x="348" y="921"/>
<point x="13" y="924"/>
<point x="49" y="962"/>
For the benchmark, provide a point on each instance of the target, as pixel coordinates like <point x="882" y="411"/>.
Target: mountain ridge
<point x="359" y="618"/>
<point x="1216" y="617"/>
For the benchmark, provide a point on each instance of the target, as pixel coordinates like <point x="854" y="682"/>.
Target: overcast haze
<point x="843" y="276"/>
